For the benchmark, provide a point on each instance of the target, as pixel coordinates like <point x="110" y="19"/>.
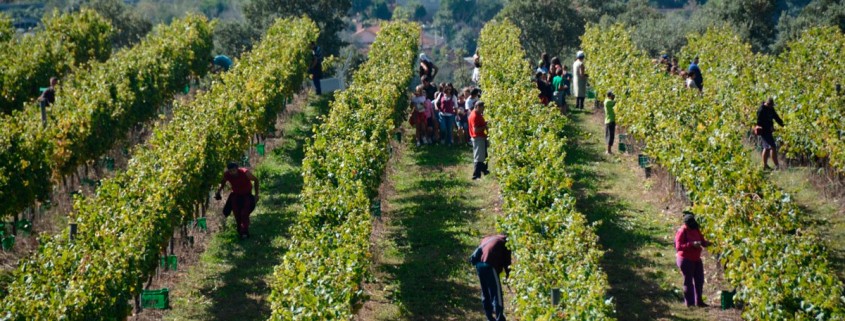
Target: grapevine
<point x="320" y="275"/>
<point x="125" y="225"/>
<point x="554" y="246"/>
<point x="68" y="40"/>
<point x="781" y="272"/>
<point x="94" y="109"/>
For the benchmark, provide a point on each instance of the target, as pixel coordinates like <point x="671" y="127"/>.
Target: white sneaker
<point x="418" y="144"/>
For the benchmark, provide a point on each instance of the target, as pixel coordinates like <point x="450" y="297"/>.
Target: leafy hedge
<point x="554" y="246"/>
<point x="124" y="227"/>
<point x="320" y="275"/>
<point x="781" y="272"/>
<point x="7" y="30"/>
<point x="67" y="40"/>
<point x="96" y="108"/>
<point x="802" y="79"/>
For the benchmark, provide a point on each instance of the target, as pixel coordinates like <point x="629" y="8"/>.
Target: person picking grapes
<point x="766" y="117"/>
<point x="240" y="201"/>
<point x="609" y="121"/>
<point x="490" y="259"/>
<point x="689" y="242"/>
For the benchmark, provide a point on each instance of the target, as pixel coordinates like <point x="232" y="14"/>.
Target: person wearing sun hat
<point x="579" y="80"/>
<point x="427" y="67"/>
<point x="689" y="241"/>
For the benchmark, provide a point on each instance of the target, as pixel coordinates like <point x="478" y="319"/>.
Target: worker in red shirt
<point x="478" y="133"/>
<point x="688" y="242"/>
<point x="241" y="200"/>
<point x="495" y="258"/>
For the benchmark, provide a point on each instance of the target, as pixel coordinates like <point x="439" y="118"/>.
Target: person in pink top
<point x="689" y="242"/>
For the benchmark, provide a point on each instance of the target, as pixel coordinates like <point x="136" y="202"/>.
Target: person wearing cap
<point x="766" y="118"/>
<point x="478" y="137"/>
<point x="689" y="242"/>
<point x="495" y="257"/>
<point x="241" y="201"/>
<point x="222" y="62"/>
<point x="579" y="81"/>
<point x="695" y="71"/>
<point x="427" y="67"/>
<point x="609" y="120"/>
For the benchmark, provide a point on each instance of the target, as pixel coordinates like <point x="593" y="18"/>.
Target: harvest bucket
<point x="170" y="262"/>
<point x="642" y="160"/>
<point x="259" y="148"/>
<point x="202" y="224"/>
<point x="155" y="299"/>
<point x="728" y="299"/>
<point x="375" y="209"/>
<point x="8" y="242"/>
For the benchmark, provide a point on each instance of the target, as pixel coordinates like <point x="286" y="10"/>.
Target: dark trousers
<point x="693" y="272"/>
<point x="609" y="133"/>
<point x="480" y="168"/>
<point x="579" y="102"/>
<point x="317" y="86"/>
<point x="491" y="292"/>
<point x="242" y="205"/>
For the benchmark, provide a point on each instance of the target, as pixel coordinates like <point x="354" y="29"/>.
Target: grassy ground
<point x="434" y="216"/>
<point x="230" y="282"/>
<point x="637" y="221"/>
<point x="825" y="212"/>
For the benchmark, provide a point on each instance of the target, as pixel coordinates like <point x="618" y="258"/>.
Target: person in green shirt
<point x="609" y="120"/>
<point x="558" y="87"/>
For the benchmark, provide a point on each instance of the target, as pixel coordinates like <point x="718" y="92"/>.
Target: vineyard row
<point x="554" y="247"/>
<point x="124" y="227"/>
<point x="328" y="257"/>
<point x="96" y="108"/>
<point x="780" y="271"/>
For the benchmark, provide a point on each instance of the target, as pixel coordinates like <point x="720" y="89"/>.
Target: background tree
<point x="328" y="14"/>
<point x="129" y="26"/>
<point x="753" y="19"/>
<point x="816" y="13"/>
<point x="550" y="26"/>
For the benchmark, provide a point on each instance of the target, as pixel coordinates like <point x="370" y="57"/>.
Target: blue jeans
<point x="491" y="292"/>
<point x="446" y="123"/>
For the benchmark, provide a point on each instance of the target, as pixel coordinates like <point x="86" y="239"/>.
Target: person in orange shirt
<point x="478" y="133"/>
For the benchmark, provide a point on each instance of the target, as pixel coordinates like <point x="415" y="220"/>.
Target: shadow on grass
<point x="637" y="296"/>
<point x="241" y="291"/>
<point x="433" y="212"/>
<point x="441" y="156"/>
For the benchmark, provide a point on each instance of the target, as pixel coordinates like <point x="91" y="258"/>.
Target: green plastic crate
<point x="728" y="299"/>
<point x="170" y="262"/>
<point x="8" y="242"/>
<point x="591" y="94"/>
<point x="259" y="148"/>
<point x="155" y="299"/>
<point x="24" y="226"/>
<point x="643" y="160"/>
<point x="201" y="223"/>
<point x="375" y="209"/>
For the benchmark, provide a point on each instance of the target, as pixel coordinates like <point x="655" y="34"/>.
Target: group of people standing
<point x="442" y="114"/>
<point x="556" y="83"/>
